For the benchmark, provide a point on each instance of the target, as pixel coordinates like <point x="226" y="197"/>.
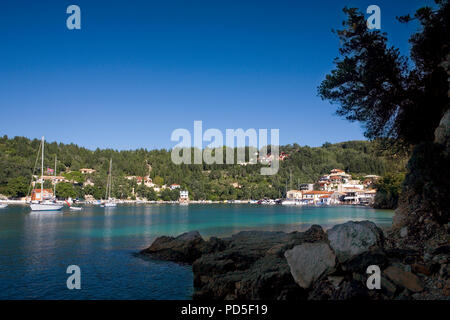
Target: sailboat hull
<point x="45" y="207"/>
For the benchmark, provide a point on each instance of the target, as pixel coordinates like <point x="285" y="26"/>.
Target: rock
<point x="309" y="261"/>
<point x="407" y="256"/>
<point x="441" y="250"/>
<point x="442" y="132"/>
<point x="403" y="278"/>
<point x="250" y="265"/>
<point x="360" y="262"/>
<point x="404" y="232"/>
<point x="184" y="248"/>
<point x="351" y="290"/>
<point x="352" y="238"/>
<point x="388" y="286"/>
<point x="421" y="268"/>
<point x="444" y="271"/>
<point x="335" y="280"/>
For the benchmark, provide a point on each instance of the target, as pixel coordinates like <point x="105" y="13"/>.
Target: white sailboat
<point x="3" y="205"/>
<point x="109" y="202"/>
<point x="43" y="204"/>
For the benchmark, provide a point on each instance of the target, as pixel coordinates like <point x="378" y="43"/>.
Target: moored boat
<point x="110" y="202"/>
<point x="44" y="204"/>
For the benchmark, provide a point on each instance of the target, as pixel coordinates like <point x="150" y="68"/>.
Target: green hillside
<point x="214" y="182"/>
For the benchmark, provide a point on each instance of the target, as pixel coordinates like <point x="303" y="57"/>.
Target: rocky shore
<point x="312" y="265"/>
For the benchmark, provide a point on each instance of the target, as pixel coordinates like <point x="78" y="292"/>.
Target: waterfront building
<point x="184" y="196"/>
<point x="37" y="196"/>
<point x="314" y="196"/>
<point x="294" y="195"/>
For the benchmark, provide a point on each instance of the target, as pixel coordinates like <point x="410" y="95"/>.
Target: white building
<point x="184" y="196"/>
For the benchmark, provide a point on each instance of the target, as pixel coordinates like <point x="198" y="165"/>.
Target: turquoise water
<point x="36" y="248"/>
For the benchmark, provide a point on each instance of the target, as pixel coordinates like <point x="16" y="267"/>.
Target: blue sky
<point x="137" y="70"/>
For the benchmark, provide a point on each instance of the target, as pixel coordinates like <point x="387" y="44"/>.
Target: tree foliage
<point x="374" y="84"/>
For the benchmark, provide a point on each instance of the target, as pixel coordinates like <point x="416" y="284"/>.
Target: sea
<point x="36" y="249"/>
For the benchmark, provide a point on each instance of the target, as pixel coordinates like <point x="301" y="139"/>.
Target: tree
<point x="388" y="191"/>
<point x="17" y="187"/>
<point x="402" y="103"/>
<point x="158" y="181"/>
<point x="65" y="190"/>
<point x="373" y="84"/>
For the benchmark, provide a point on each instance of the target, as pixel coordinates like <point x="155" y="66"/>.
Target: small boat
<point x="110" y="204"/>
<point x="288" y="202"/>
<point x="76" y="208"/>
<point x="3" y="206"/>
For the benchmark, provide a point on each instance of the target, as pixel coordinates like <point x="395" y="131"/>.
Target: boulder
<point x="404" y="278"/>
<point x="309" y="261"/>
<point x="352" y="238"/>
<point x="184" y="248"/>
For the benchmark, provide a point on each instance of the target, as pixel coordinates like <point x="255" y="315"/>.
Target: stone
<point x="360" y="262"/>
<point x="388" y="286"/>
<point x="404" y="232"/>
<point x="309" y="261"/>
<point x="184" y="248"/>
<point x="335" y="280"/>
<point x="403" y="278"/>
<point x="352" y="238"/>
<point x="442" y="132"/>
<point x="351" y="290"/>
<point x="420" y="268"/>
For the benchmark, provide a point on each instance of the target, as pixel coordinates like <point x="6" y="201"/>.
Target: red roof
<point x="317" y="192"/>
<point x="45" y="190"/>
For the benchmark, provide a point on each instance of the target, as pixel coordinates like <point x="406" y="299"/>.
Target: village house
<point x="174" y="186"/>
<point x="370" y="180"/>
<point x="37" y="196"/>
<point x="52" y="179"/>
<point x="314" y="196"/>
<point x="184" y="196"/>
<point x="88" y="182"/>
<point x="359" y="196"/>
<point x="294" y="195"/>
<point x="306" y="186"/>
<point x="87" y="171"/>
<point x="148" y="182"/>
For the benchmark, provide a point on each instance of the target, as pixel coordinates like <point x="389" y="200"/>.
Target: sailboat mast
<point x="110" y="179"/>
<point x="42" y="170"/>
<point x="54" y="174"/>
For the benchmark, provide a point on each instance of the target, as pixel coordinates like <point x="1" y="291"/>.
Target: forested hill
<point x="304" y="165"/>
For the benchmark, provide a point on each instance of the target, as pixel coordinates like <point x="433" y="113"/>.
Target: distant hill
<point x="304" y="164"/>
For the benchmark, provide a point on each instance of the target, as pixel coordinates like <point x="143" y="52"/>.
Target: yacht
<point x="45" y="203"/>
<point x="110" y="202"/>
<point x="3" y="205"/>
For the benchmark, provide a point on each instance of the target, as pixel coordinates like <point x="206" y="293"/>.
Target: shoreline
<point x="241" y="202"/>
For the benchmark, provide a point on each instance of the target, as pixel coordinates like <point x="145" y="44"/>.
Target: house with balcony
<point x="314" y="196"/>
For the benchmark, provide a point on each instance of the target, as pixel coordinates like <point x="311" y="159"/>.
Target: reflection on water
<point x="36" y="248"/>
